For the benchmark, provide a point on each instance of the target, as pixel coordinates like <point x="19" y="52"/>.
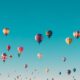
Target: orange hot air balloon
<point x="6" y="31"/>
<point x="68" y="40"/>
<point x="20" y="50"/>
<point x="4" y="57"/>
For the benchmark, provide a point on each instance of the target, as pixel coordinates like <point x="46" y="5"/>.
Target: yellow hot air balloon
<point x="6" y="31"/>
<point x="68" y="40"/>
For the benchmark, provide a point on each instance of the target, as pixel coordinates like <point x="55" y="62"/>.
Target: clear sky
<point x="25" y="18"/>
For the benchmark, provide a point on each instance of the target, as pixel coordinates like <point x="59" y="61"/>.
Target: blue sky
<point x="25" y="19"/>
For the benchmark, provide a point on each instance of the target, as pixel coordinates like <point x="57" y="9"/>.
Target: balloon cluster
<point x="39" y="37"/>
<point x="76" y="34"/>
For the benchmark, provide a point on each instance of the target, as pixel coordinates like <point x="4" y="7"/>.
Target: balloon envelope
<point x="6" y="31"/>
<point x="76" y="34"/>
<point x="20" y="49"/>
<point x="68" y="40"/>
<point x="4" y="56"/>
<point x="39" y="38"/>
<point x="49" y="33"/>
<point x="64" y="59"/>
<point x="8" y="47"/>
<point x="39" y="55"/>
<point x="69" y="72"/>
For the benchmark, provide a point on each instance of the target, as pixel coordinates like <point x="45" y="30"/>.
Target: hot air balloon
<point x="11" y="56"/>
<point x="8" y="47"/>
<point x="74" y="70"/>
<point x="25" y="66"/>
<point x="6" y="31"/>
<point x="68" y="71"/>
<point x="4" y="57"/>
<point x="76" y="34"/>
<point x="20" y="50"/>
<point x="64" y="59"/>
<point x="47" y="70"/>
<point x="49" y="33"/>
<point x="39" y="55"/>
<point x="39" y="38"/>
<point x="68" y="40"/>
<point x="59" y="73"/>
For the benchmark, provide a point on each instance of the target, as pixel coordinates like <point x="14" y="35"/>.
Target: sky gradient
<point x="26" y="18"/>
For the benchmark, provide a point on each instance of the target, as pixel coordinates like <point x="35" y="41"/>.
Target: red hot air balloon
<point x="20" y="50"/>
<point x="8" y="47"/>
<point x="39" y="38"/>
<point x="4" y="57"/>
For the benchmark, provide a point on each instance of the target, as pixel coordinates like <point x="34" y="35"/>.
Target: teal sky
<point x="25" y="19"/>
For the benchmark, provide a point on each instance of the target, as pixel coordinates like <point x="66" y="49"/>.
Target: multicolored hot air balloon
<point x="39" y="55"/>
<point x="39" y="38"/>
<point x="20" y="50"/>
<point x="76" y="34"/>
<point x="49" y="33"/>
<point x="68" y="40"/>
<point x="6" y="31"/>
<point x="8" y="47"/>
<point x="4" y="57"/>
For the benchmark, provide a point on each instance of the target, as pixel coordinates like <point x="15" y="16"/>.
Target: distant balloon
<point x="11" y="56"/>
<point x="4" y="57"/>
<point x="39" y="38"/>
<point x="20" y="50"/>
<point x="6" y="31"/>
<point x="69" y="72"/>
<point x="74" y="70"/>
<point x="47" y="70"/>
<point x="52" y="78"/>
<point x="49" y="33"/>
<point x="68" y="40"/>
<point x="64" y="59"/>
<point x="25" y="66"/>
<point x="76" y="34"/>
<point x="39" y="55"/>
<point x="8" y="47"/>
<point x="59" y="73"/>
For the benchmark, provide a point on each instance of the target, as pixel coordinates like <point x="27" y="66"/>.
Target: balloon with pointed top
<point x="39" y="38"/>
<point x="4" y="57"/>
<point x="6" y="31"/>
<point x="20" y="50"/>
<point x="68" y="40"/>
<point x="49" y="33"/>
<point x="8" y="47"/>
